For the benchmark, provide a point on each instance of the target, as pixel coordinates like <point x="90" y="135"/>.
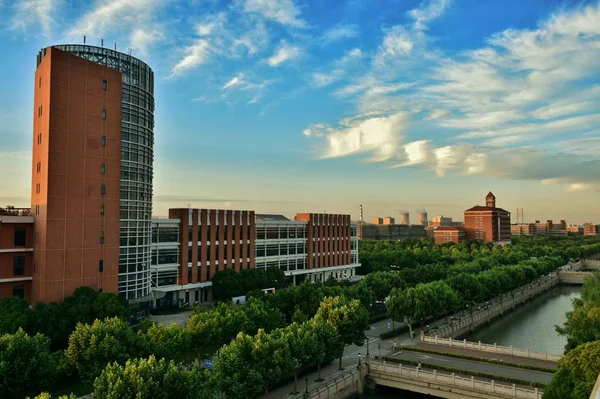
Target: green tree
<point x="249" y="365"/>
<point x="401" y="306"/>
<point x="577" y="373"/>
<point x="304" y="347"/>
<point x="26" y="365"/>
<point x="14" y="314"/>
<point x="348" y="317"/>
<point x="46" y="395"/>
<point x="329" y="344"/>
<point x="226" y="284"/>
<point x="173" y="341"/>
<point x="93" y="346"/>
<point x="151" y="378"/>
<point x="381" y="283"/>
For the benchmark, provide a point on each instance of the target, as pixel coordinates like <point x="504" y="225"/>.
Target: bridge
<point x="429" y="381"/>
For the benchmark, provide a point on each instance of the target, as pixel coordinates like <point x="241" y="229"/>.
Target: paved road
<point x="481" y="367"/>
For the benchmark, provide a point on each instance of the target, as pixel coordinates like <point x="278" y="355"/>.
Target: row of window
<point x="217" y="230"/>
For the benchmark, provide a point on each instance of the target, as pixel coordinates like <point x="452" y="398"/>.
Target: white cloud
<point x="428" y="11"/>
<point x="340" y="32"/>
<point x="284" y="12"/>
<point x="235" y="81"/>
<point x="324" y="79"/>
<point x="284" y="52"/>
<point x="398" y="42"/>
<point x="380" y="136"/>
<point x="522" y="86"/>
<point x="195" y="55"/>
<point x="142" y="40"/>
<point x="30" y="13"/>
<point x="134" y="19"/>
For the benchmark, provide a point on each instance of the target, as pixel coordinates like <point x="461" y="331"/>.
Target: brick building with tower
<point x="487" y="223"/>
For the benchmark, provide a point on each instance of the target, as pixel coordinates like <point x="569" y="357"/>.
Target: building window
<point x="102" y="237"/>
<point x="102" y="210"/>
<point x="19" y="265"/>
<point x="102" y="189"/>
<point x="101" y="265"/>
<point x="103" y="141"/>
<point x="103" y="168"/>
<point x="104" y="84"/>
<point x="18" y="291"/>
<point x="103" y="114"/>
<point x="20" y="237"/>
<point x="39" y="82"/>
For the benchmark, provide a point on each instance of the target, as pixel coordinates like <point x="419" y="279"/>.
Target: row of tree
<point x="104" y="353"/>
<point x="419" y="260"/>
<point x="57" y="321"/>
<point x="579" y="368"/>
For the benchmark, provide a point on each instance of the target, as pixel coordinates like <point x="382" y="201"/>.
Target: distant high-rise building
<point x="439" y="221"/>
<point x="92" y="172"/>
<point x="488" y="223"/>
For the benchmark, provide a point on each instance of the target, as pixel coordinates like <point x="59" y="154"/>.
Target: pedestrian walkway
<point x="488" y="355"/>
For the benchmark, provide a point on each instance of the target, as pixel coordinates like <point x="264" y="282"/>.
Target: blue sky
<point x="312" y="105"/>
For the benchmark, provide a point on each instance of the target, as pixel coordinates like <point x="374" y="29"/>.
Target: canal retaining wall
<point x="474" y="318"/>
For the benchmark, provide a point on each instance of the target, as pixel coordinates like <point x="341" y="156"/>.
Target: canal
<point x="532" y="324"/>
<point x="529" y="326"/>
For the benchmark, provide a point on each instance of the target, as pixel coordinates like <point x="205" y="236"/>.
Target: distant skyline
<point x="286" y="106"/>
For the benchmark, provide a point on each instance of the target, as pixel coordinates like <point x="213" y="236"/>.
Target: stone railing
<point x="452" y="380"/>
<point x="474" y="317"/>
<point x="492" y="348"/>
<point x="346" y="384"/>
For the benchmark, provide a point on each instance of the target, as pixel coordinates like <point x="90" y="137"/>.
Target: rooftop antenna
<point x="115" y="46"/>
<point x="129" y="51"/>
<point x="361" y="213"/>
<point x="101" y="42"/>
<point x="83" y="39"/>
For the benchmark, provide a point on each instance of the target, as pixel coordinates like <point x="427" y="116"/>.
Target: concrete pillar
<point x="434" y="375"/>
<point x="479" y="345"/>
<point x="536" y="393"/>
<point x="473" y="382"/>
<point x="511" y="350"/>
<point x="495" y="348"/>
<point x="294" y="279"/>
<point x="417" y="372"/>
<point x="400" y="368"/>
<point x="453" y="379"/>
<point x="436" y="339"/>
<point x="450" y="341"/>
<point x="493" y="386"/>
<point x="514" y="389"/>
<point x="464" y="343"/>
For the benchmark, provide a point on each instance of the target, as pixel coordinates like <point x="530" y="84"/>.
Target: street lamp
<point x="367" y="347"/>
<point x="359" y="358"/>
<point x="306" y="383"/>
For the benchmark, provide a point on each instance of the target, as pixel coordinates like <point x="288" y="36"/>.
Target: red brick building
<point x="447" y="234"/>
<point x="328" y="239"/>
<point x="591" y="229"/>
<point x="488" y="223"/>
<point x="76" y="175"/>
<point x="16" y="254"/>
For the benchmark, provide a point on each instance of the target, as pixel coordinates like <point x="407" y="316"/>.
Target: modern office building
<point x="547" y="228"/>
<point x="447" y="234"/>
<point x="440" y="221"/>
<point x="92" y="173"/>
<point x="192" y="245"/>
<point x="16" y="253"/>
<point x="488" y="223"/>
<point x="523" y="229"/>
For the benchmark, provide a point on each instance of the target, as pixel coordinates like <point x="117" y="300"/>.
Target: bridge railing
<point x="451" y="379"/>
<point x="493" y="348"/>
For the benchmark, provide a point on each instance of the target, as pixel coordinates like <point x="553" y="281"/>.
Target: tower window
<point x="101" y="265"/>
<point x="101" y="209"/>
<point x="102" y="189"/>
<point x="103" y="114"/>
<point x="102" y="237"/>
<point x="18" y="265"/>
<point x="103" y="141"/>
<point x="103" y="168"/>
<point x="104" y="84"/>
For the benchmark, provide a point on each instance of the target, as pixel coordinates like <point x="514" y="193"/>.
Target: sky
<point x="288" y="106"/>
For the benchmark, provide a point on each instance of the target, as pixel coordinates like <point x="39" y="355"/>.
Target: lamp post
<point x="359" y="359"/>
<point x="367" y="347"/>
<point x="379" y="345"/>
<point x="306" y="383"/>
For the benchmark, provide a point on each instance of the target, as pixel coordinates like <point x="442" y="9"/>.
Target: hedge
<point x="479" y="359"/>
<point x="473" y="373"/>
